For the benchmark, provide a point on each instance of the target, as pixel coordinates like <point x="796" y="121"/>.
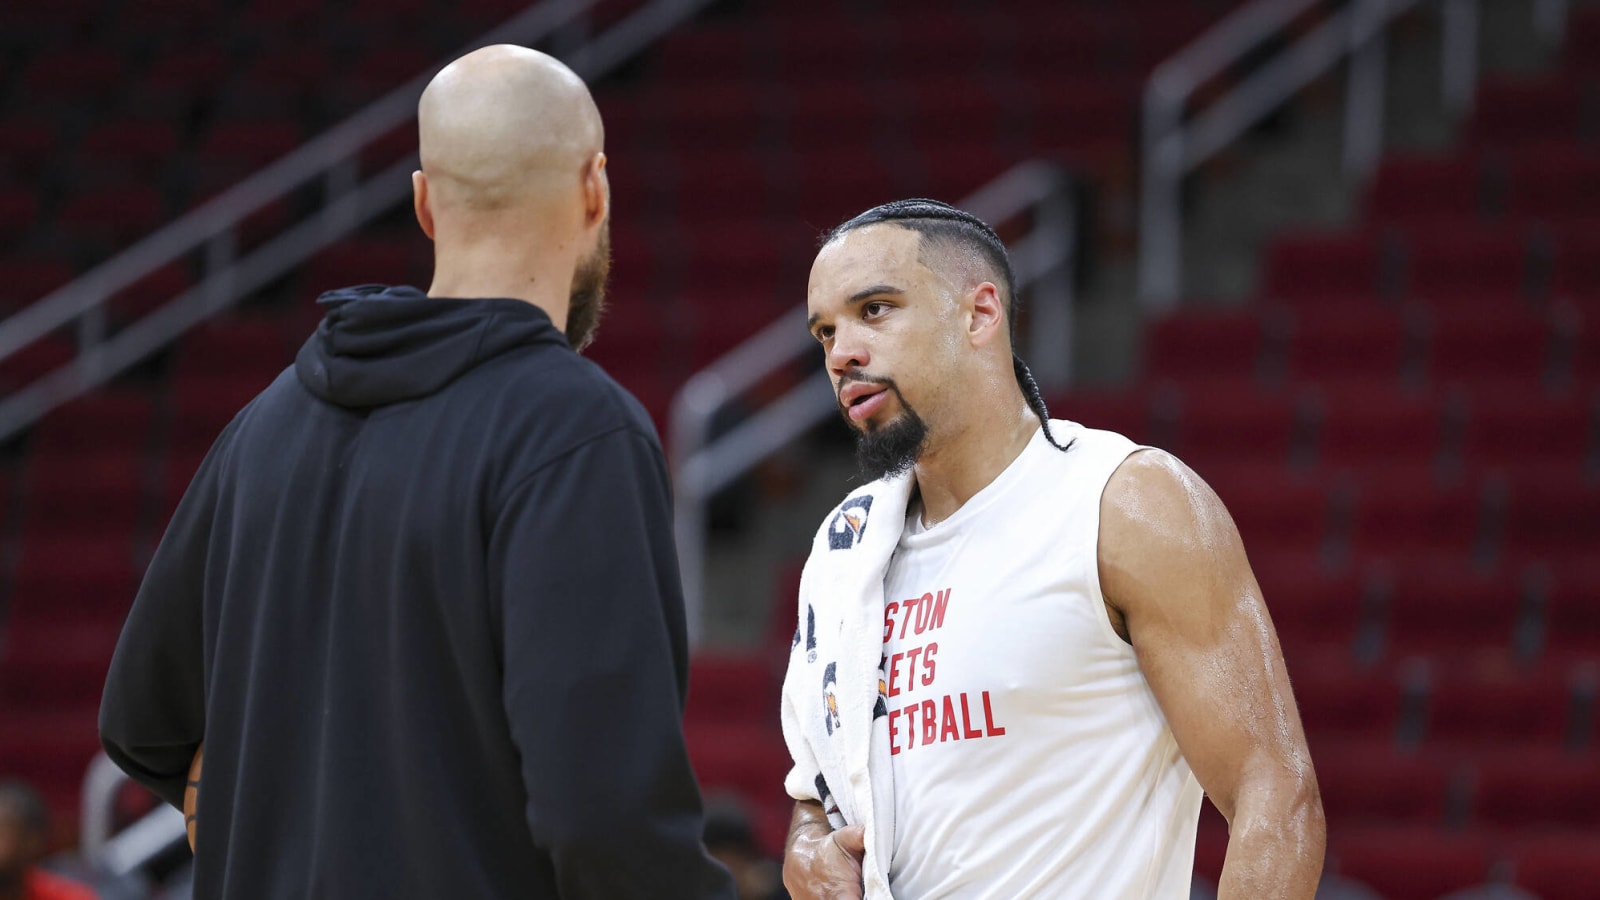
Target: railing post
<point x="1051" y="333"/>
<point x="1161" y="197"/>
<point x="1459" y="43"/>
<point x="1363" y="118"/>
<point x="689" y="431"/>
<point x="1550" y="20"/>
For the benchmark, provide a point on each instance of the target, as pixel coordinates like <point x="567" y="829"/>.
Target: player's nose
<point x="848" y="351"/>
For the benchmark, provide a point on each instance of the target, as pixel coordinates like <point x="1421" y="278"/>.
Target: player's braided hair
<point x="940" y="223"/>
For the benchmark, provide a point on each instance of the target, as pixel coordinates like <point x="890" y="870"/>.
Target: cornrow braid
<point x="934" y="222"/>
<point x="1030" y="390"/>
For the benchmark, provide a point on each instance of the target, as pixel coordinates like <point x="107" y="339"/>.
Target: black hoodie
<point x="421" y="604"/>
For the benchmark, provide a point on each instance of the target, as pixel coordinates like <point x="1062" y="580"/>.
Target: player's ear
<point x="419" y="202"/>
<point x="988" y="314"/>
<point x="596" y="191"/>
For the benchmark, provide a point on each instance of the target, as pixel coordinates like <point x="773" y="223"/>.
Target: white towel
<point x="834" y="702"/>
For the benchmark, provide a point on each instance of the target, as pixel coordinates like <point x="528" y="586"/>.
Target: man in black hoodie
<point x="420" y="601"/>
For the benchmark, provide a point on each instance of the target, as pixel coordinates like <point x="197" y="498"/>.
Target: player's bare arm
<point x="1178" y="586"/>
<point x="818" y="861"/>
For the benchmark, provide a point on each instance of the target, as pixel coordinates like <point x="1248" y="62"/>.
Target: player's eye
<point x="874" y="309"/>
<point x="823" y="333"/>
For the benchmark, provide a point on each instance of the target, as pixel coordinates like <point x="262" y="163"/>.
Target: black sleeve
<point x="152" y="714"/>
<point x="596" y="664"/>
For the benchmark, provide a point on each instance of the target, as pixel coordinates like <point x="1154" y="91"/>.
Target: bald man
<point x="421" y="601"/>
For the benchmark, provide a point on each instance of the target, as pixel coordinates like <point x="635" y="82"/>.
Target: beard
<point x="883" y="451"/>
<point x="588" y="298"/>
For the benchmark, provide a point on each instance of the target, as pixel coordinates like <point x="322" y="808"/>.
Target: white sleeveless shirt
<point x="1030" y="758"/>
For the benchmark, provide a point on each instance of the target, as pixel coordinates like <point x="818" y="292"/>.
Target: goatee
<point x="890" y="449"/>
<point x="588" y="298"/>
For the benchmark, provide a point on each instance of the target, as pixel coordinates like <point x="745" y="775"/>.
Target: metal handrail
<point x="348" y="202"/>
<point x="1045" y="260"/>
<point x="1174" y="147"/>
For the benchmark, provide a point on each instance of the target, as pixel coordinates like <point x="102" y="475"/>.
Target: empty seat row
<point x="1464" y="263"/>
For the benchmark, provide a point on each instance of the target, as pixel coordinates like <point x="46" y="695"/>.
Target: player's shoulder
<point x="559" y="388"/>
<point x="1154" y="495"/>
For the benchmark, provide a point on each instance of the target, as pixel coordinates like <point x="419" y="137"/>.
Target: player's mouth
<point x="861" y="399"/>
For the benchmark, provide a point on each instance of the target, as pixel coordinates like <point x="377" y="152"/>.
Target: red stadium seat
<point x="707" y="54"/>
<point x="1365" y="423"/>
<point x="1513" y="426"/>
<point x="748" y="758"/>
<point x="1523" y="791"/>
<point x="202" y="407"/>
<point x="1123" y="410"/>
<point x="249" y="145"/>
<point x="1520" y="112"/>
<point x="19" y="212"/>
<point x="1190" y="345"/>
<point x="1366" y="783"/>
<point x="1506" y="346"/>
<point x="113" y="215"/>
<point x="1066" y="46"/>
<point x="117" y="420"/>
<point x="1082" y="121"/>
<point x="26" y="145"/>
<point x="237" y="348"/>
<point x="1576" y="268"/>
<point x="1572" y="610"/>
<point x="192" y="68"/>
<point x="1229" y="422"/>
<point x="1467" y="259"/>
<point x="1316" y="267"/>
<point x="1480" y="705"/>
<point x="732" y="689"/>
<point x="1347" y="342"/>
<point x="87" y="494"/>
<point x="1411" y="189"/>
<point x="1344" y="703"/>
<point x="1272" y="506"/>
<point x="1560" y="867"/>
<point x="833" y="185"/>
<point x="364" y="261"/>
<point x="81" y="74"/>
<point x="1402" y="511"/>
<point x="54" y="662"/>
<point x="1317" y="614"/>
<point x="955" y="169"/>
<point x="1440" y="608"/>
<point x="725" y="186"/>
<point x="69" y="574"/>
<point x="1551" y="516"/>
<point x="1585" y="372"/>
<point x="30" y="278"/>
<point x="141" y="149"/>
<point x="1558" y="183"/>
<point x="1412" y="863"/>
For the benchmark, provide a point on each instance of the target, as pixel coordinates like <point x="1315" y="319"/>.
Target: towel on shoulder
<point x="834" y="703"/>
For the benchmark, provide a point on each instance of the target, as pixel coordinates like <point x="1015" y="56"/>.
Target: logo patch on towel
<point x="811" y="633"/>
<point x="830" y="700"/>
<point x="849" y="523"/>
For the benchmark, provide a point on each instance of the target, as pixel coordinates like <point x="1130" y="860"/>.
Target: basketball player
<point x="421" y="600"/>
<point x="1073" y="643"/>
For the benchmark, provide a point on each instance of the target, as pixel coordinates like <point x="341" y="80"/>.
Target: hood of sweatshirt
<point x="378" y="345"/>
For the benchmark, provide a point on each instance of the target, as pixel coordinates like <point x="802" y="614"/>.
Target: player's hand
<point x="825" y="864"/>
